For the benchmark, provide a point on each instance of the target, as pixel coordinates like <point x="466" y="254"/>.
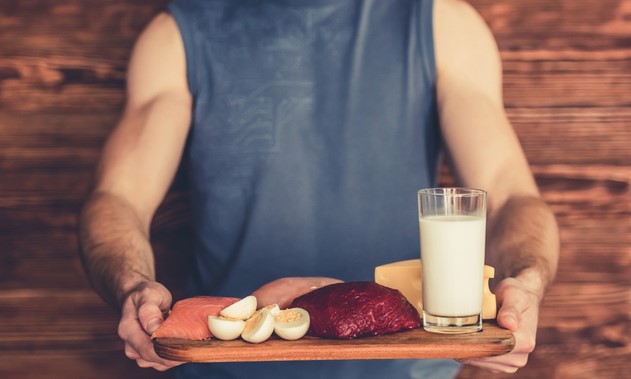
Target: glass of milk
<point x="453" y="228"/>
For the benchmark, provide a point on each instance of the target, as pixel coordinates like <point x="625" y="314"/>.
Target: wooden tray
<point x="411" y="344"/>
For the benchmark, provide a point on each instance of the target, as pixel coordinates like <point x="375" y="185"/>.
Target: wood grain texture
<point x="412" y="344"/>
<point x="567" y="86"/>
<point x="567" y="67"/>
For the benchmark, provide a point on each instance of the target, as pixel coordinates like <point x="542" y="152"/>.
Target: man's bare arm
<point x="523" y="240"/>
<point x="138" y="163"/>
<point x="484" y="148"/>
<point x="522" y="235"/>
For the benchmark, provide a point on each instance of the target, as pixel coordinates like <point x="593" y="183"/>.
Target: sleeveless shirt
<point x="314" y="125"/>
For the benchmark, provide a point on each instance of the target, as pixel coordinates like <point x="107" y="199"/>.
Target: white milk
<point x="452" y="250"/>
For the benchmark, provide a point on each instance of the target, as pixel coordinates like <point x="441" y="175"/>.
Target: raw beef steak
<point x="357" y="309"/>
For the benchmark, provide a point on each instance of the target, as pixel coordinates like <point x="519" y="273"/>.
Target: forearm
<point x="523" y="241"/>
<point x="114" y="246"/>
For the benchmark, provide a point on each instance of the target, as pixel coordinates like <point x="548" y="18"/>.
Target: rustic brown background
<point x="62" y="70"/>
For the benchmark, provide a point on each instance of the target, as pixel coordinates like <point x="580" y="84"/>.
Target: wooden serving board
<point x="412" y="344"/>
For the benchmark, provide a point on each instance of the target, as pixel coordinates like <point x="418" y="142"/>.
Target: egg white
<point x="241" y="310"/>
<point x="225" y="328"/>
<point x="259" y="327"/>
<point x="291" y="324"/>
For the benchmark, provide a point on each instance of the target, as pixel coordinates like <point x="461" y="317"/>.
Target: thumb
<point x="509" y="318"/>
<point x="153" y="324"/>
<point x="149" y="314"/>
<point x="513" y="303"/>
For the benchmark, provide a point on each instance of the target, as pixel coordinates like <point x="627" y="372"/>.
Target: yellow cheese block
<point x="406" y="276"/>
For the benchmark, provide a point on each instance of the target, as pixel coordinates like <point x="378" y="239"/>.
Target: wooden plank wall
<point x="567" y="70"/>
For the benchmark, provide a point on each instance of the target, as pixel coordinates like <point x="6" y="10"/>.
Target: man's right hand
<point x="142" y="313"/>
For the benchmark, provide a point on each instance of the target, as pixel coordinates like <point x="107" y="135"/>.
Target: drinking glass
<point x="452" y="225"/>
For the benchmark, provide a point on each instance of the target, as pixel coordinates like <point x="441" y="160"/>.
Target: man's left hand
<point x="519" y="312"/>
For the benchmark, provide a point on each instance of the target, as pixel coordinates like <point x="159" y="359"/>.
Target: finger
<point x="494" y="367"/>
<point x="513" y="302"/>
<point x="130" y="352"/>
<point x="144" y="364"/>
<point x="138" y="345"/>
<point x="128" y="325"/>
<point x="150" y="305"/>
<point x="517" y="360"/>
<point x="509" y="317"/>
<point x="150" y="358"/>
<point x="150" y="317"/>
<point x="156" y="366"/>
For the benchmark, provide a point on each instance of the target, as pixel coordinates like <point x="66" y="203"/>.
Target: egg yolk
<point x="287" y="316"/>
<point x="252" y="322"/>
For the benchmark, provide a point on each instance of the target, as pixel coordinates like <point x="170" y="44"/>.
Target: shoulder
<point x="159" y="49"/>
<point x="465" y="48"/>
<point x="161" y="28"/>
<point x="458" y="20"/>
<point x="460" y="9"/>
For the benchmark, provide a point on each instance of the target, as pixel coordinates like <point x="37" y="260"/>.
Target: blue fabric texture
<point x="314" y="125"/>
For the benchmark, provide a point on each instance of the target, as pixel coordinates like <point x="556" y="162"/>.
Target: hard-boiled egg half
<point x="259" y="327"/>
<point x="241" y="310"/>
<point x="242" y="319"/>
<point x="273" y="309"/>
<point x="225" y="328"/>
<point x="291" y="324"/>
<point x="231" y="320"/>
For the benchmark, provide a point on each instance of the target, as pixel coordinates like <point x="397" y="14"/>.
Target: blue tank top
<point x="314" y="125"/>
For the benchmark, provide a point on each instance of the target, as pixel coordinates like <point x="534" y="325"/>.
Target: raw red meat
<point x="357" y="309"/>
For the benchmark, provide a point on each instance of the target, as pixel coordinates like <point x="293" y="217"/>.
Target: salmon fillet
<point x="189" y="317"/>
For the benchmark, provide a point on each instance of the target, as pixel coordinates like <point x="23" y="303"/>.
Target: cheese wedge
<point x="406" y="276"/>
